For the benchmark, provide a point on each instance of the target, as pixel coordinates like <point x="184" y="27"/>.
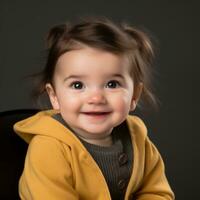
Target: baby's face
<point x="93" y="90"/>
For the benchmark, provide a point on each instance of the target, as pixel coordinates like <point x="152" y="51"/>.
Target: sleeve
<point x="154" y="185"/>
<point x="47" y="173"/>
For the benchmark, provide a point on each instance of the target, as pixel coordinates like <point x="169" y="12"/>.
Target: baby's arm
<point x="155" y="185"/>
<point x="47" y="174"/>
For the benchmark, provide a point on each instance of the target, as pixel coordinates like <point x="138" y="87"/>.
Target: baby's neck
<point x="107" y="141"/>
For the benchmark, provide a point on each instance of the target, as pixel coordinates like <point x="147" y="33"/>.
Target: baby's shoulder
<point x="42" y="145"/>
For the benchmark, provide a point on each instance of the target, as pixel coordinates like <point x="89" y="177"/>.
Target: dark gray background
<point x="175" y="26"/>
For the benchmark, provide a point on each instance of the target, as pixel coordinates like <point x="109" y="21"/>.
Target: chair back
<point x="12" y="152"/>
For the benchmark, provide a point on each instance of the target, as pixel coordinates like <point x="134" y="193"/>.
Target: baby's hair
<point x="103" y="34"/>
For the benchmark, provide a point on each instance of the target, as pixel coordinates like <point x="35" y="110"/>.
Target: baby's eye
<point x="77" y="85"/>
<point x="113" y="84"/>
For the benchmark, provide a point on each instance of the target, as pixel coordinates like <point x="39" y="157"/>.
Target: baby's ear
<point x="52" y="96"/>
<point x="136" y="96"/>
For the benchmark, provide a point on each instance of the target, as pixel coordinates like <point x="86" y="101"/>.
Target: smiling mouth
<point x="96" y="113"/>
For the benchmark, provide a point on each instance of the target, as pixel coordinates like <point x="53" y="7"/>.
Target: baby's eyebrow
<point x="73" y="77"/>
<point x="117" y="75"/>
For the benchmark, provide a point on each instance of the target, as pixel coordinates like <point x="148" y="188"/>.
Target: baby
<point x="88" y="147"/>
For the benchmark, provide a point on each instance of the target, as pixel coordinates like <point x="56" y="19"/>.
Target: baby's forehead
<point x="91" y="58"/>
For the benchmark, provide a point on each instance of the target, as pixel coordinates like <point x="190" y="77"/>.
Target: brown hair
<point x="101" y="33"/>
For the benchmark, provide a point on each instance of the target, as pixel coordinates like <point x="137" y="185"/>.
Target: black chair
<point x="12" y="153"/>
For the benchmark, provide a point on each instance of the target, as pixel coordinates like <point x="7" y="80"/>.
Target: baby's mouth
<point x="96" y="113"/>
<point x="96" y="116"/>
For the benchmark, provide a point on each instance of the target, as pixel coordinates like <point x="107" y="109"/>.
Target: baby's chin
<point x="102" y="129"/>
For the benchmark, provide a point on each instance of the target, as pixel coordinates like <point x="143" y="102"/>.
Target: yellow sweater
<point x="58" y="166"/>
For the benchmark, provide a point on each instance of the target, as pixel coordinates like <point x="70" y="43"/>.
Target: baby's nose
<point x="97" y="97"/>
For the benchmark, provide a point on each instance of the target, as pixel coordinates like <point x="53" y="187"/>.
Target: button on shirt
<point x="123" y="159"/>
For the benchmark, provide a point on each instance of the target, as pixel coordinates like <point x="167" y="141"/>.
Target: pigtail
<point x="53" y="37"/>
<point x="55" y="34"/>
<point x="143" y="43"/>
<point x="143" y="59"/>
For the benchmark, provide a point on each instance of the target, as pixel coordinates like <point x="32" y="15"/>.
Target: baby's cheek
<point x="122" y="104"/>
<point x="71" y="103"/>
